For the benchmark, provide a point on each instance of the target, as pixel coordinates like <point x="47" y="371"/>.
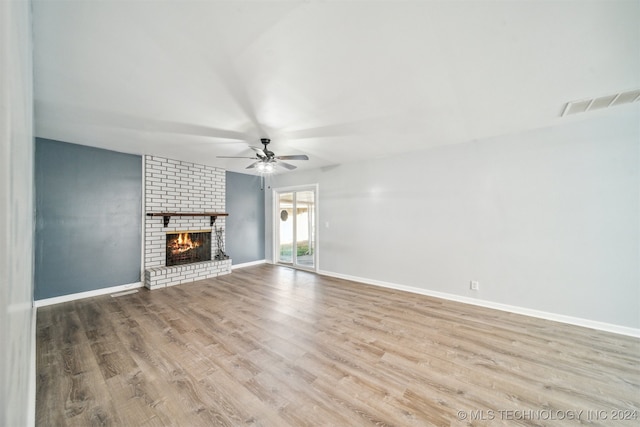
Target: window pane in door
<point x="285" y="238"/>
<point x="305" y="228"/>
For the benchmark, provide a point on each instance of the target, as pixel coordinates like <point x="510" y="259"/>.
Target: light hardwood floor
<point x="272" y="346"/>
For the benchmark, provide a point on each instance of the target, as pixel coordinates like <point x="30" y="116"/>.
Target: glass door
<point x="296" y="228"/>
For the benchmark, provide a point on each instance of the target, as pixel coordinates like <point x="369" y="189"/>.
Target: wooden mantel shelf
<point x="167" y="215"/>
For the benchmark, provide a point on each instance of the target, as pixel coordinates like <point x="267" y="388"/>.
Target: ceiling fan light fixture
<point x="265" y="167"/>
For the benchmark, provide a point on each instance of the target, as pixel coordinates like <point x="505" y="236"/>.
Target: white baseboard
<point x="249" y="264"/>
<point x="88" y="294"/>
<point x="602" y="326"/>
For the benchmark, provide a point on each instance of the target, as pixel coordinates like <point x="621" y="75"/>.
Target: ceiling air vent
<point x="584" y="105"/>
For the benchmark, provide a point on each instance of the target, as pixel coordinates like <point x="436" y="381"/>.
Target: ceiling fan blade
<point x="293" y="157"/>
<point x="259" y="151"/>
<point x="237" y="88"/>
<point x="286" y="165"/>
<point x="103" y="118"/>
<point x="234" y="157"/>
<point x="253" y="165"/>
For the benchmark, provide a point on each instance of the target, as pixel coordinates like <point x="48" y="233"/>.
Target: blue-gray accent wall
<point x="88" y="218"/>
<point x="245" y="223"/>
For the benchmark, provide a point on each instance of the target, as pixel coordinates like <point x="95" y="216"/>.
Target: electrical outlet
<point x="475" y="285"/>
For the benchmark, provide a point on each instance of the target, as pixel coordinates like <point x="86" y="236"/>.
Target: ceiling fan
<point x="267" y="160"/>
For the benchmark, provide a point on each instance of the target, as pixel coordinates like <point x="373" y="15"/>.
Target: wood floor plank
<point x="273" y="346"/>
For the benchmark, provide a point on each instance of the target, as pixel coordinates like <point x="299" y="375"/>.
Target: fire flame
<point x="182" y="244"/>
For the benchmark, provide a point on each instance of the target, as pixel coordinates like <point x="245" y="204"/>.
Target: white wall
<point x="16" y="216"/>
<point x="546" y="220"/>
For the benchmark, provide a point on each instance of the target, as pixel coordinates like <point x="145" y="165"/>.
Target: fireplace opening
<point x="188" y="247"/>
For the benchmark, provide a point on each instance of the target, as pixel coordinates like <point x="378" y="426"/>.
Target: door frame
<point x="275" y="229"/>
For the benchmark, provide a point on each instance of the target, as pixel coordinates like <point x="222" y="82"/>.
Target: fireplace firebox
<point x="186" y="247"/>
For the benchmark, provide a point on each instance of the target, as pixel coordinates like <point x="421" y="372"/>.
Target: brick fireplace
<point x="182" y="187"/>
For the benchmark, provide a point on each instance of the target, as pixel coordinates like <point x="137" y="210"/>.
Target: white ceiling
<point x="337" y="80"/>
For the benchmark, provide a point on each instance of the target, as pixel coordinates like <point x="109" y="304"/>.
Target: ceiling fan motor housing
<point x="270" y="154"/>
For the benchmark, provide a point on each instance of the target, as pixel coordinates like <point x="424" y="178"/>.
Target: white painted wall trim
<point x="248" y="264"/>
<point x="31" y="403"/>
<point x="88" y="294"/>
<point x="602" y="326"/>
